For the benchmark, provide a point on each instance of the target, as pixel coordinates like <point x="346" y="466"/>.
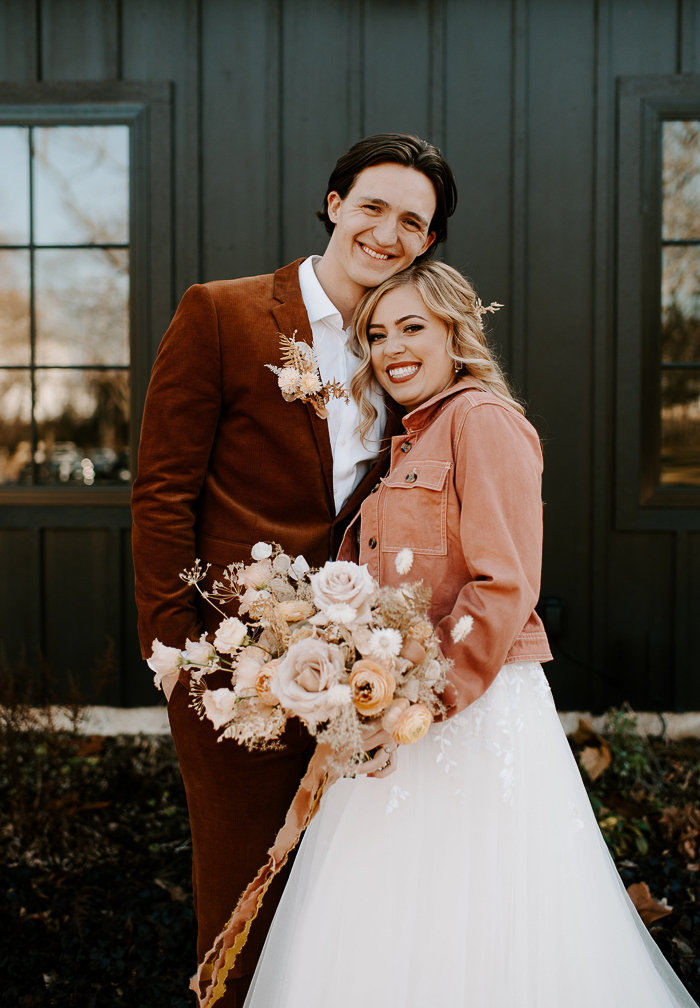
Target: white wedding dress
<point x="473" y="877"/>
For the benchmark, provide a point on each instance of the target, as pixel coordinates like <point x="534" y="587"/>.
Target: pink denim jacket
<point x="464" y="494"/>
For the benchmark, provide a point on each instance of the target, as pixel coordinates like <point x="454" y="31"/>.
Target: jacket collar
<point x="424" y="414"/>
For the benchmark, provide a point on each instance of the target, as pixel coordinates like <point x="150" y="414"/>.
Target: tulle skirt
<point x="473" y="877"/>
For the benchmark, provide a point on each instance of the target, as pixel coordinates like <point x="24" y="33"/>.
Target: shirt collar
<point x="422" y="415"/>
<point x="317" y="303"/>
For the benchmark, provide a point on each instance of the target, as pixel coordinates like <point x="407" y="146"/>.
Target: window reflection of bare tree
<point x="681" y="304"/>
<point x="81" y="319"/>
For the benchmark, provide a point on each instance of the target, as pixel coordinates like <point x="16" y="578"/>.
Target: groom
<point x="225" y="462"/>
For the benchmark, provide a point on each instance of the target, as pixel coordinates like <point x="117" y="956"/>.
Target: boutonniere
<point x="299" y="376"/>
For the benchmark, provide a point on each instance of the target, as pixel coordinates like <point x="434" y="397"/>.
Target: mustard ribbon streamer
<point x="325" y="767"/>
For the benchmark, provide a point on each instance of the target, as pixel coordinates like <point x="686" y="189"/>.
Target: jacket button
<point x="376" y="487"/>
<point x="372" y="543"/>
<point x="406" y="446"/>
<point x="412" y="477"/>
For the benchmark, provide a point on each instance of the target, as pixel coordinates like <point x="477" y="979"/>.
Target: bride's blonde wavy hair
<point x="451" y="298"/>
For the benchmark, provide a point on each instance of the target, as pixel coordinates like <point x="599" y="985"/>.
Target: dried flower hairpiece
<point x="480" y="310"/>
<point x="300" y="378"/>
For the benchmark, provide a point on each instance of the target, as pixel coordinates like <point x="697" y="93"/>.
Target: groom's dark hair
<point x="402" y="149"/>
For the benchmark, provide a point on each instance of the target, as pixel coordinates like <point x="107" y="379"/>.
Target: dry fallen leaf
<point x="682" y="827"/>
<point x="647" y="907"/>
<point x="595" y="760"/>
<point x="175" y="892"/>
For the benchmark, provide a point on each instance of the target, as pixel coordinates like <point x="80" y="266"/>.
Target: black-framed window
<point x="680" y="304"/>
<point x="657" y="436"/>
<point x="64" y="304"/>
<point x="85" y="283"/>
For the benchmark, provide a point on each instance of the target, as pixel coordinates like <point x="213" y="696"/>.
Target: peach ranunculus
<point x="256" y="575"/>
<point x="308" y="680"/>
<point x="392" y="715"/>
<point x="249" y="663"/>
<point x="294" y="611"/>
<point x="219" y="705"/>
<point x="343" y="583"/>
<point x="412" y="725"/>
<point x="263" y="681"/>
<point x="372" y="687"/>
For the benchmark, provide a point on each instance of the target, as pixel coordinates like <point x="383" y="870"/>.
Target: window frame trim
<point x="146" y="108"/>
<point x="644" y="103"/>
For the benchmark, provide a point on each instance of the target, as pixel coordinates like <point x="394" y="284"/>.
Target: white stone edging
<point x="154" y="721"/>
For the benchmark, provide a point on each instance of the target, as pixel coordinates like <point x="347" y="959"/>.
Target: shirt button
<point x="406" y="447"/>
<point x="342" y="443"/>
<point x="412" y="477"/>
<point x="372" y="543"/>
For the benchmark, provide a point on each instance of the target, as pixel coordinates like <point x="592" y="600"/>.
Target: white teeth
<point x="375" y="255"/>
<point x="404" y="371"/>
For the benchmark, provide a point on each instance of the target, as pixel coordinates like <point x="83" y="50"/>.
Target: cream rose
<point x="247" y="668"/>
<point x="293" y="612"/>
<point x="341" y="582"/>
<point x="372" y="687"/>
<point x="219" y="706"/>
<point x="308" y="680"/>
<point x="198" y="653"/>
<point x="164" y="661"/>
<point x="256" y="575"/>
<point x="230" y="635"/>
<point x="263" y="683"/>
<point x="412" y="725"/>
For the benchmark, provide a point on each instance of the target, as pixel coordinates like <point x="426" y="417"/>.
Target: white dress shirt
<point x="336" y="361"/>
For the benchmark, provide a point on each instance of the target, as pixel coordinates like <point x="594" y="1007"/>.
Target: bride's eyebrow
<point x="404" y="317"/>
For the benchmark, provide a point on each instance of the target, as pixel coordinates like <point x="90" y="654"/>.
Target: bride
<point x="475" y="874"/>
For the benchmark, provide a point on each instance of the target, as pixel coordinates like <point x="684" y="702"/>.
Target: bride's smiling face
<point x="409" y="348"/>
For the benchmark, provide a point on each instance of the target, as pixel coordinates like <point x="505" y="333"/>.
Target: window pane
<point x="15" y="427"/>
<point x="15" y="345"/>
<point x="680" y="428"/>
<point x="681" y="172"/>
<point x="82" y="426"/>
<point x="82" y="306"/>
<point x="81" y="191"/>
<point x="680" y="298"/>
<point x="14" y="185"/>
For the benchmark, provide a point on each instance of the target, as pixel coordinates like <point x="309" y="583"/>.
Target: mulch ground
<point x="96" y="906"/>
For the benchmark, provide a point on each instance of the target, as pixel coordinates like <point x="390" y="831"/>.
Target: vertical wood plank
<point x="19" y="41"/>
<point x="79" y="40"/>
<point x="601" y="370"/>
<point x="160" y="41"/>
<point x="644" y="36"/>
<point x="640" y="621"/>
<point x="82" y="621"/>
<point x="561" y="48"/>
<point x="240" y="151"/>
<point x="397" y="65"/>
<point x="317" y="114"/>
<point x="477" y="144"/>
<point x="518" y="198"/>
<point x="20" y="625"/>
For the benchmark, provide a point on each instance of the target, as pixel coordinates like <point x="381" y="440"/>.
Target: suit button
<point x="376" y="487"/>
<point x="406" y="446"/>
<point x="412" y="477"/>
<point x="372" y="543"/>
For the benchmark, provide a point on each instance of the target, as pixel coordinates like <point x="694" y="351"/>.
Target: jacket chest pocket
<point x="414" y="508"/>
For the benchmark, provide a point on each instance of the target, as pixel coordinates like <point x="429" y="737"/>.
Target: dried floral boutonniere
<point x="299" y="376"/>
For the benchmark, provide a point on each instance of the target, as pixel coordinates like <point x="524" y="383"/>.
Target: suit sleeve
<point x="498" y="472"/>
<point x="181" y="414"/>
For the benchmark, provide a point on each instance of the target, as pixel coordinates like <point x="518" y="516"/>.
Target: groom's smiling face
<point x="382" y="224"/>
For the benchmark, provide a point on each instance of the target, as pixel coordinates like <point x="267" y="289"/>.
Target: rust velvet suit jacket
<point x="224" y="461"/>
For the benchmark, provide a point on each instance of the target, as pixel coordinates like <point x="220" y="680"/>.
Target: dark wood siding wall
<point x="520" y="94"/>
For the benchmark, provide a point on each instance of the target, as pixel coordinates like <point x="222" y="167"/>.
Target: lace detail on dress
<point x="492" y="721"/>
<point x="393" y="798"/>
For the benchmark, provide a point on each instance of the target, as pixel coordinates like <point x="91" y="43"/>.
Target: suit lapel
<point x="291" y="316"/>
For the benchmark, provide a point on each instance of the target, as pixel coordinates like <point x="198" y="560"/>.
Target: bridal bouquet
<point x="327" y="646"/>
